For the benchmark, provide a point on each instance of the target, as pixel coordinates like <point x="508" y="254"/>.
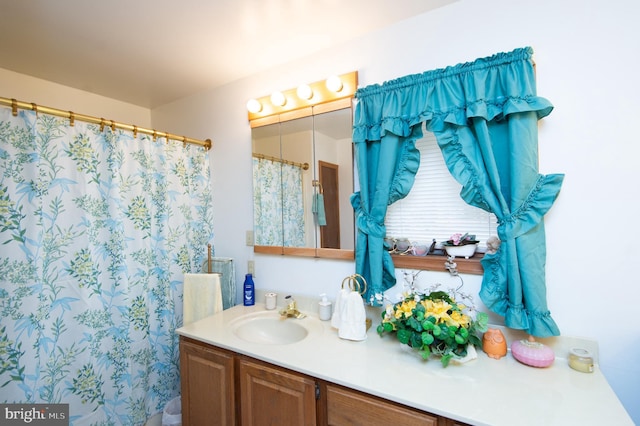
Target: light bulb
<point x="305" y="92"/>
<point x="334" y="83"/>
<point x="278" y="99"/>
<point x="254" y="106"/>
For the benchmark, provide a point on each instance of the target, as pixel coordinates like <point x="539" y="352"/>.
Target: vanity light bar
<point x="307" y="95"/>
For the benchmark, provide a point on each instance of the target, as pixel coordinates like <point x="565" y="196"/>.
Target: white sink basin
<point x="269" y="328"/>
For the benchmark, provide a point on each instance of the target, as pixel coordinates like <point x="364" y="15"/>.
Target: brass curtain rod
<point x="303" y="166"/>
<point x="72" y="116"/>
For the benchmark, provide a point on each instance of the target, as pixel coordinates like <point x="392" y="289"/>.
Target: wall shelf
<point x="436" y="263"/>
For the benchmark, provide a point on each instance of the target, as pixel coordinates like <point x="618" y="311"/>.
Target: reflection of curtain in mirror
<point x="278" y="221"/>
<point x="267" y="202"/>
<point x="292" y="206"/>
<point x="98" y="228"/>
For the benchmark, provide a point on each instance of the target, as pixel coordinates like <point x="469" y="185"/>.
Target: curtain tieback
<point x="532" y="210"/>
<point x="364" y="221"/>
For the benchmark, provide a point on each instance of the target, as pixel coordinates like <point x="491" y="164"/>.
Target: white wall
<point x="586" y="56"/>
<point x="45" y="93"/>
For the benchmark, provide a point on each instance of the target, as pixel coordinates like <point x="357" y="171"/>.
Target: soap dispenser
<point x="324" y="308"/>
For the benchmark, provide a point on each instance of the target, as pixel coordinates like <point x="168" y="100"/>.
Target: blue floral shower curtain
<point x="278" y="204"/>
<point x="97" y="228"/>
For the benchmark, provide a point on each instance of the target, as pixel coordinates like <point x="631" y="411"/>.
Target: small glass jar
<point x="581" y="360"/>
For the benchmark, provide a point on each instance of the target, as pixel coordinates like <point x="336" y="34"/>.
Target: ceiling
<point x="152" y="52"/>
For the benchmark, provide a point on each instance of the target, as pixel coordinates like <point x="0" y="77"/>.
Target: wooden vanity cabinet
<point x="220" y="387"/>
<point x="207" y="384"/>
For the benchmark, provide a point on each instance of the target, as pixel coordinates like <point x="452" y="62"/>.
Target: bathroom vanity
<point x="219" y="384"/>
<point x="240" y="367"/>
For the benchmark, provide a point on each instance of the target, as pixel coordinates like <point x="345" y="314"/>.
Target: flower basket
<point x="470" y="356"/>
<point x="434" y="324"/>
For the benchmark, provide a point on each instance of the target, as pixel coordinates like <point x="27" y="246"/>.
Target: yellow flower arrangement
<point x="433" y="324"/>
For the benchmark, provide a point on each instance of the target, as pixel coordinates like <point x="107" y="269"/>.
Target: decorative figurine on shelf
<point x="451" y="266"/>
<point x="494" y="344"/>
<point x="493" y="244"/>
<point x="461" y="245"/>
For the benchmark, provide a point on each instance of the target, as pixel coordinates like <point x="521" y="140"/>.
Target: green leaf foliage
<point x="414" y="323"/>
<point x="445" y="359"/>
<point x="404" y="336"/>
<point x="416" y="340"/>
<point x="425" y="352"/>
<point x="428" y="325"/>
<point x="427" y="338"/>
<point x="482" y="322"/>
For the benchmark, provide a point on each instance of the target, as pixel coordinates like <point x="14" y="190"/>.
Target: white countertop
<point x="483" y="391"/>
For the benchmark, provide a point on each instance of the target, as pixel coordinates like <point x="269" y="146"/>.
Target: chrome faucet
<point x="291" y="310"/>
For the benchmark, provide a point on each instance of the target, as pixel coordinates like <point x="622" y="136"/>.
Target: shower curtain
<point x="278" y="204"/>
<point x="97" y="228"/>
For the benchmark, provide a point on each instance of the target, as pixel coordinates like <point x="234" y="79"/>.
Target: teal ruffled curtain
<point x="484" y="115"/>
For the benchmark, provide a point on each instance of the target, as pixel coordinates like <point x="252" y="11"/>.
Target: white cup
<point x="270" y="300"/>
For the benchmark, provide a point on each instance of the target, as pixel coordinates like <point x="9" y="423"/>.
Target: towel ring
<point x="354" y="283"/>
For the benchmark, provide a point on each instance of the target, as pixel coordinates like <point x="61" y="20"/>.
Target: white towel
<point x="202" y="296"/>
<point x="353" y="318"/>
<point x="341" y="300"/>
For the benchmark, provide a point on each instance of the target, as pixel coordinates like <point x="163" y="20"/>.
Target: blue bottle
<point x="249" y="291"/>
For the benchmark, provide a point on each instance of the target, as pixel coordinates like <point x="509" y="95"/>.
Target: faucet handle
<point x="291" y="303"/>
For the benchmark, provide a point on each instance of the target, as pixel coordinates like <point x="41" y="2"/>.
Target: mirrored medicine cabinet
<point x="303" y="175"/>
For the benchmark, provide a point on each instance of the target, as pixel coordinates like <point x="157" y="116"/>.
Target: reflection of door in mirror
<point x="333" y="146"/>
<point x="330" y="232"/>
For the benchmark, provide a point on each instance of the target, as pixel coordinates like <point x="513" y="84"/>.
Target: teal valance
<point x="484" y="115"/>
<point x="490" y="88"/>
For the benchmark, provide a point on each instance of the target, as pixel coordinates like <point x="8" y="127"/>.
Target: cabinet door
<point x="272" y="396"/>
<point x="352" y="408"/>
<point x="207" y="385"/>
<point x="449" y="422"/>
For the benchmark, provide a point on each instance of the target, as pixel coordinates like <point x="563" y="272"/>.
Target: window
<point x="433" y="209"/>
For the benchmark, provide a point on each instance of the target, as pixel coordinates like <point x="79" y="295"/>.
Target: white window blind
<point x="433" y="208"/>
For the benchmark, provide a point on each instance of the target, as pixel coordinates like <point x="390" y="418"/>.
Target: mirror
<point x="303" y="177"/>
<point x="333" y="150"/>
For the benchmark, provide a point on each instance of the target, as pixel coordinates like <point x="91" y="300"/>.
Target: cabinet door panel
<point x="273" y="396"/>
<point x="207" y="385"/>
<point x="352" y="408"/>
